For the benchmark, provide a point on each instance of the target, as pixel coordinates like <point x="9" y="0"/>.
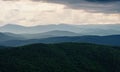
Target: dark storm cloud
<point x="102" y="0"/>
<point x="103" y="6"/>
<point x="10" y="0"/>
<point x="77" y="1"/>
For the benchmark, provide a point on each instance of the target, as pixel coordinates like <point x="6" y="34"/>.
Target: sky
<point x="41" y="12"/>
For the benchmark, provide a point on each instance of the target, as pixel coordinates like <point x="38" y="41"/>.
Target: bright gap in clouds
<point x="30" y="13"/>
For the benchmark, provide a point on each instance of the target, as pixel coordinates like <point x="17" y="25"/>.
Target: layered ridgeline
<point x="15" y="35"/>
<point x="10" y="36"/>
<point x="113" y="40"/>
<point x="63" y="57"/>
<point x="91" y="29"/>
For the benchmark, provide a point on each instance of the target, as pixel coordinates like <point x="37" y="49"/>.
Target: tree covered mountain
<point x="62" y="57"/>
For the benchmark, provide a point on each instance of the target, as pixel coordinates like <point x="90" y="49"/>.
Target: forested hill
<point x="61" y="57"/>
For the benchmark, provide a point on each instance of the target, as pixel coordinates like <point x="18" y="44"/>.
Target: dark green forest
<point x="60" y="57"/>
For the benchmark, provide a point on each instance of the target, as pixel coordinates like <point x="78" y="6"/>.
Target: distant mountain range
<point x="54" y="33"/>
<point x="108" y="29"/>
<point x="9" y="36"/>
<point x="15" y="35"/>
<point x="105" y="40"/>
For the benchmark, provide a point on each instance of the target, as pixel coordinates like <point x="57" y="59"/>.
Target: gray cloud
<point x="10" y="0"/>
<point x="77" y="1"/>
<point x="103" y="6"/>
<point x="103" y="1"/>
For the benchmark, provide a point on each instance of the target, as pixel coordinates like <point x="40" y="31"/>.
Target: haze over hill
<point x="108" y="29"/>
<point x="54" y="33"/>
<point x="6" y="37"/>
<point x="113" y="40"/>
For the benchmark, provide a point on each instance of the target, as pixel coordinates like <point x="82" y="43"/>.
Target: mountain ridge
<point x="6" y="37"/>
<point x="113" y="40"/>
<point x="107" y="29"/>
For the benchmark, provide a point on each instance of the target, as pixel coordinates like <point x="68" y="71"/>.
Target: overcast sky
<point x="39" y="12"/>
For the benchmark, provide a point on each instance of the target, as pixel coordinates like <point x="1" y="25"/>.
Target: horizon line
<point x="54" y="24"/>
